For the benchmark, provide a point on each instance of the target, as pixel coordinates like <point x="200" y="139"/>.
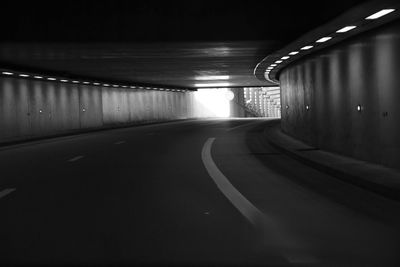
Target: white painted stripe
<point x="290" y="248"/>
<point x="119" y="142"/>
<point x="242" y="125"/>
<point x="75" y="158"/>
<point x="7" y="191"/>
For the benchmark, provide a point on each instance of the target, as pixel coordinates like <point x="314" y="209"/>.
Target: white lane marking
<point x="75" y="158"/>
<point x="240" y="126"/>
<point x="290" y="248"/>
<point x="7" y="191"/>
<point x="119" y="142"/>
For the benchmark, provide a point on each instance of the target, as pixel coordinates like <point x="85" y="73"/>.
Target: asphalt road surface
<point x="198" y="192"/>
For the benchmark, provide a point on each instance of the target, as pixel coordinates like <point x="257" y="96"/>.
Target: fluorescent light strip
<point x="307" y="47"/>
<point x="346" y="29"/>
<point x="7" y="73"/>
<point x="212" y="84"/>
<point x="381" y="13"/>
<point x="75" y="81"/>
<point x="273" y="65"/>
<point x="38" y="77"/>
<point x="24" y="75"/>
<point x="285" y="57"/>
<point x="115" y="85"/>
<point x="293" y="53"/>
<point x="324" y="39"/>
<point x="213" y="77"/>
<point x="133" y="87"/>
<point x="96" y="83"/>
<point x="279" y="61"/>
<point x="51" y="79"/>
<point x="86" y="82"/>
<point x="106" y="84"/>
<point x="64" y="81"/>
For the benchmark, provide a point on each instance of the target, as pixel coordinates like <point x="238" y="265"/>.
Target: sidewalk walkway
<point x="377" y="178"/>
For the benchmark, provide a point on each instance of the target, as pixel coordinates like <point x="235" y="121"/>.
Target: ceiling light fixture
<point x="381" y="13"/>
<point x="324" y="39"/>
<point x="212" y="77"/>
<point x="307" y="47"/>
<point x="212" y="84"/>
<point x="346" y="29"/>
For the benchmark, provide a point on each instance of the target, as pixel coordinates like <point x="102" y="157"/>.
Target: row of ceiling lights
<point x="42" y="77"/>
<point x="345" y="29"/>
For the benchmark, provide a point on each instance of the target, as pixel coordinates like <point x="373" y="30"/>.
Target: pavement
<point x="211" y="192"/>
<point x="377" y="178"/>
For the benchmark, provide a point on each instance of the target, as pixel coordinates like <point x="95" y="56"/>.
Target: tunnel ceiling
<point x="155" y="42"/>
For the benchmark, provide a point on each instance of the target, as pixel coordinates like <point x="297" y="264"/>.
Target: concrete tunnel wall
<point x="32" y="108"/>
<point x="363" y="70"/>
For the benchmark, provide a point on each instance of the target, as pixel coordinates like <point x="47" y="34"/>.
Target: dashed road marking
<point x="7" y="191"/>
<point x="75" y="158"/>
<point x="119" y="142"/>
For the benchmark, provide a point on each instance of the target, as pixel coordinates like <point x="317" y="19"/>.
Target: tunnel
<point x="207" y="133"/>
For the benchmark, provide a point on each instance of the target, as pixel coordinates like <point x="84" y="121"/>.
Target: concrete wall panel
<point x="333" y="82"/>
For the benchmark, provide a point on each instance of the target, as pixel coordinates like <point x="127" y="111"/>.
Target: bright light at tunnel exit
<point x="214" y="102"/>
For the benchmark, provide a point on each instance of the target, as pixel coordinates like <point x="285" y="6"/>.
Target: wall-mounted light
<point x="381" y="13"/>
<point x="359" y="108"/>
<point x="307" y="107"/>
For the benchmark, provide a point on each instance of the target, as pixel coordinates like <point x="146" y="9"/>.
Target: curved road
<point x="196" y="192"/>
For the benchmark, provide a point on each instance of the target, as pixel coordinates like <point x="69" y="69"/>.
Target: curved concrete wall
<point x="364" y="70"/>
<point x="32" y="108"/>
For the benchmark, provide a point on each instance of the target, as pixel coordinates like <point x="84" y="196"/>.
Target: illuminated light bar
<point x="279" y="61"/>
<point x="324" y="39"/>
<point x="285" y="57"/>
<point x="106" y="84"/>
<point x="381" y="13"/>
<point x="213" y="77"/>
<point x="51" y="79"/>
<point x="38" y="77"/>
<point x="273" y="65"/>
<point x="115" y="85"/>
<point x="75" y="81"/>
<point x="7" y="73"/>
<point x="346" y="29"/>
<point x="293" y="53"/>
<point x="86" y="82"/>
<point x="212" y="84"/>
<point x="124" y="86"/>
<point x="24" y="75"/>
<point x="307" y="47"/>
<point x="64" y="81"/>
<point x="96" y="83"/>
<point x="133" y="87"/>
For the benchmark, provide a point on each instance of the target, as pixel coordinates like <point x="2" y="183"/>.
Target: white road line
<point x="290" y="248"/>
<point x="240" y="126"/>
<point x="7" y="191"/>
<point x="75" y="158"/>
<point x="119" y="142"/>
